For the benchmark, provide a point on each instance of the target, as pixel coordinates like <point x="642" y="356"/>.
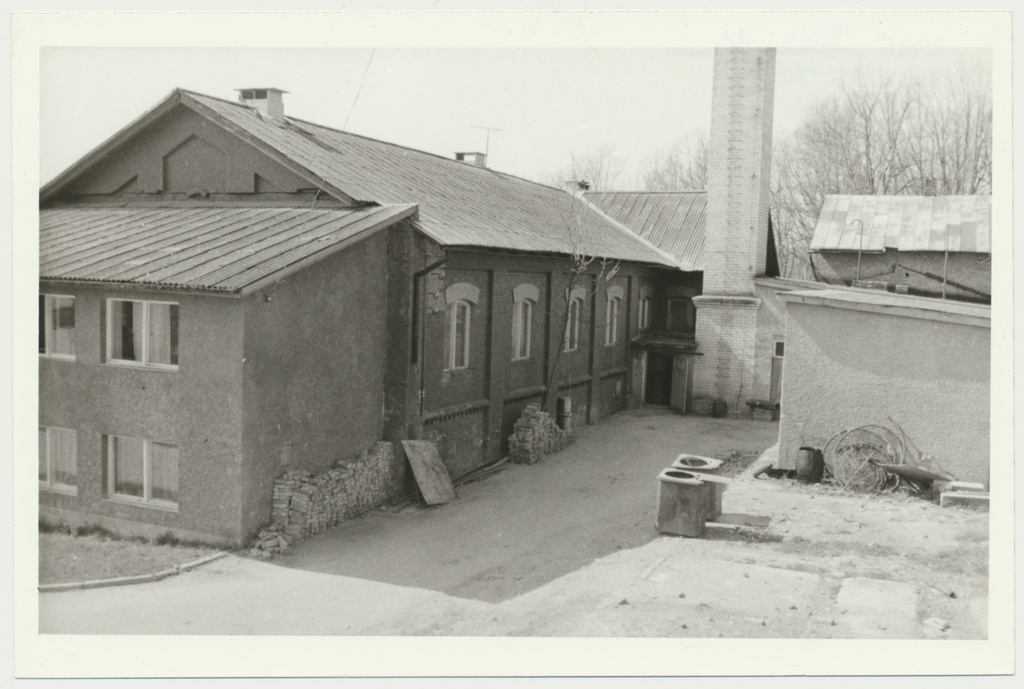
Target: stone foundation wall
<point x="306" y="503"/>
<point x="536" y="436"/>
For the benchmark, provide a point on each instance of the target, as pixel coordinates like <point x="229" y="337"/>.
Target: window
<point x="58" y="459"/>
<point x="142" y="332"/>
<point x="572" y="324"/>
<point x="57" y="326"/>
<point x="780" y="349"/>
<point x="459" y="315"/>
<point x="522" y="320"/>
<point x="611" y="315"/>
<point x="142" y="471"/>
<point x="682" y="316"/>
<point x="523" y="298"/>
<point x="458" y="319"/>
<point x="645" y="313"/>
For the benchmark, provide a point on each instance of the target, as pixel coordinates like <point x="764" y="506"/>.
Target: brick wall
<point x="726" y="331"/>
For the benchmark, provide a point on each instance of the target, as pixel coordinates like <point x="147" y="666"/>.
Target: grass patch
<point x="64" y="558"/>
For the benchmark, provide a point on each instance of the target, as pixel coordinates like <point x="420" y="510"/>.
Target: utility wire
<point x="359" y="90"/>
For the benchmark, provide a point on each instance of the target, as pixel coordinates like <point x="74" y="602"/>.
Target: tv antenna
<point x="487" y="147"/>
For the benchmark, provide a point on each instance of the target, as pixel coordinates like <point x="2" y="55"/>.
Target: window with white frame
<point x="611" y="315"/>
<point x="141" y="471"/>
<point x="645" y="313"/>
<point x="460" y="298"/>
<point x="523" y="298"/>
<point x="57" y="325"/>
<point x="58" y="458"/>
<point x="572" y="319"/>
<point x="142" y="332"/>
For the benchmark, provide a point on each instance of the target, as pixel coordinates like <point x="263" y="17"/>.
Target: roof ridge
<point x="654" y="191"/>
<point x="418" y="150"/>
<point x="289" y="118"/>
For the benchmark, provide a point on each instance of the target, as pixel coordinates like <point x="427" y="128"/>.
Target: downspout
<point x="419" y="323"/>
<point x="945" y="263"/>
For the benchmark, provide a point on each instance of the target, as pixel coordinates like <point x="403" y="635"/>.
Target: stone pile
<point x="304" y="503"/>
<point x="536" y="436"/>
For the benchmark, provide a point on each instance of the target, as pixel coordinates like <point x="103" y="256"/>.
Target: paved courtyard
<point x="567" y="547"/>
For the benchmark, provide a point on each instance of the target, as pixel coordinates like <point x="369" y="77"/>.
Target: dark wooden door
<point x="659" y="379"/>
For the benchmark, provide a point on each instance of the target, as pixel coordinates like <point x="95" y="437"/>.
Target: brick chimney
<point x="269" y="101"/>
<point x="739" y="169"/>
<point x="736" y="238"/>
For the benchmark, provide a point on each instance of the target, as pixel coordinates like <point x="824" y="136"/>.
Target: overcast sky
<point x="546" y="102"/>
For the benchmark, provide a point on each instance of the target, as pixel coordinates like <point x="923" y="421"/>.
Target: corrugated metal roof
<point x="673" y="221"/>
<point x="905" y="223"/>
<point x="460" y="204"/>
<point x="221" y="248"/>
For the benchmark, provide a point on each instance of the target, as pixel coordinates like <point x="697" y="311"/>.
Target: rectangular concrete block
<point x="978" y="501"/>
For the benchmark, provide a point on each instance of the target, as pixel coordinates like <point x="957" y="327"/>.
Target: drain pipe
<point x="945" y="263"/>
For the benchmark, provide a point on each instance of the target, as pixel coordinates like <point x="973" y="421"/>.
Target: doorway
<point x="658" y="383"/>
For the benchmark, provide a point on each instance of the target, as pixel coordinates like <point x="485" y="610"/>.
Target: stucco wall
<point x="183" y="152"/>
<point x="315" y="350"/>
<point x="198" y="408"/>
<point x="771" y="327"/>
<point x="905" y="268"/>
<point x="845" y="368"/>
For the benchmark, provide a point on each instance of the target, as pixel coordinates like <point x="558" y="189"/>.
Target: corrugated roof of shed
<point x="904" y="223"/>
<point x="674" y="221"/>
<point x="460" y="204"/>
<point x="219" y="248"/>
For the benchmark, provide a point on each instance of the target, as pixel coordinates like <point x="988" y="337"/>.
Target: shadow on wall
<point x="895" y="348"/>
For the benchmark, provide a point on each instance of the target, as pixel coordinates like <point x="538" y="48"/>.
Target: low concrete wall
<point x="855" y="358"/>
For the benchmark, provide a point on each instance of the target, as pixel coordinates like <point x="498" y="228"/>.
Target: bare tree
<point x="877" y="136"/>
<point x="600" y="167"/>
<point x="583" y="268"/>
<point x="682" y="167"/>
<point x="956" y="136"/>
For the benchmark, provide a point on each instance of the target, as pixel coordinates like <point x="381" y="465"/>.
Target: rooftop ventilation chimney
<point x="576" y="187"/>
<point x="268" y="101"/>
<point x="473" y="158"/>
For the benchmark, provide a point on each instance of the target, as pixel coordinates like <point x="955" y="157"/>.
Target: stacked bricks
<point x="304" y="503"/>
<point x="535" y="436"/>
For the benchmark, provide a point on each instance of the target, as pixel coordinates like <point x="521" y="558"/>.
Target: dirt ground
<point x="568" y="547"/>
<point x="527" y="525"/>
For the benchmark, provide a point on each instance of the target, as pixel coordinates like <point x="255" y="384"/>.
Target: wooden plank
<point x="432" y="478"/>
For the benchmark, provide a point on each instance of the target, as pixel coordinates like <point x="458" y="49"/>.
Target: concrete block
<point x="964" y="499"/>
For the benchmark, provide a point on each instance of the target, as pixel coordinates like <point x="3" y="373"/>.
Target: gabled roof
<point x="460" y="204"/>
<point x="904" y="223"/>
<point x="671" y="220"/>
<point x="225" y="249"/>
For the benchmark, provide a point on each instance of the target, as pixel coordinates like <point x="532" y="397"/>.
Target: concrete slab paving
<point x="876" y="608"/>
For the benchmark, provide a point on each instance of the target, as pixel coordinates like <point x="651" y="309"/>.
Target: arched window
<point x="611" y="315"/>
<point x="645" y="313"/>
<point x="460" y="297"/>
<point x="523" y="297"/>
<point x="573" y="317"/>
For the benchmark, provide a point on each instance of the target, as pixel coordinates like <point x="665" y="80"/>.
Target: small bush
<point x="54" y="527"/>
<point x="94" y="530"/>
<point x="167" y="538"/>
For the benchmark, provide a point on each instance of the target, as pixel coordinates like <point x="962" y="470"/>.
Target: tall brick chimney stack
<point x="736" y="239"/>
